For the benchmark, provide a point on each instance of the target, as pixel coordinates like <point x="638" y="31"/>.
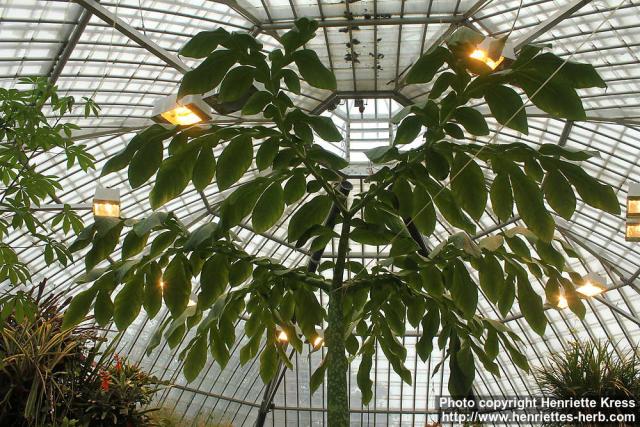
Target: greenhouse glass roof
<point x="124" y="54"/>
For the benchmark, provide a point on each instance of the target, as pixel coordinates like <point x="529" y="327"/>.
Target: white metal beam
<point x="560" y="15"/>
<point x="135" y="35"/>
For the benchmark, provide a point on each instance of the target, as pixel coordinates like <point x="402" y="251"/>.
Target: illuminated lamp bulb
<point x="318" y="342"/>
<point x="189" y="110"/>
<point x="562" y="302"/>
<point x="282" y="336"/>
<point x="592" y="285"/>
<point x="492" y="52"/>
<point x="633" y="230"/>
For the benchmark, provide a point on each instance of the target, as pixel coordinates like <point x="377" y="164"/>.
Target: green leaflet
<point x="269" y="208"/>
<point x="531" y="206"/>
<point x="214" y="279"/>
<point x="196" y="358"/>
<point x="177" y="286"/>
<point x="311" y="213"/>
<point x="468" y="186"/>
<point x="128" y="303"/>
<point x="234" y="161"/>
<point x="313" y="70"/>
<point x="78" y="308"/>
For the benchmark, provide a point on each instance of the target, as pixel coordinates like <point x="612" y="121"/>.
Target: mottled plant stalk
<point x="337" y="393"/>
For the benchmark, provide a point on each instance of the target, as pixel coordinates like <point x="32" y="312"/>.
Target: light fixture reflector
<point x="592" y="285"/>
<point x="189" y="110"/>
<point x="106" y="202"/>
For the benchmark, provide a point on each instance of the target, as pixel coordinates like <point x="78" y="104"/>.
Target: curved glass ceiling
<point x="124" y="54"/>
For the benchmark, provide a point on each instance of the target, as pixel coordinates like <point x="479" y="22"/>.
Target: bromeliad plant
<point x="26" y="132"/>
<point x="592" y="370"/>
<point x="441" y="178"/>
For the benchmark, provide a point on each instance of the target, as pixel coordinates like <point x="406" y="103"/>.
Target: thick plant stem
<point x="337" y="393"/>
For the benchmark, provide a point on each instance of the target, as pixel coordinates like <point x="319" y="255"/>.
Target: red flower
<point x="118" y="364"/>
<point x="104" y="383"/>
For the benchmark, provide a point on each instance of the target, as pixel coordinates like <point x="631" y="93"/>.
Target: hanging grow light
<point x="189" y="110"/>
<point x="592" y="285"/>
<point x="633" y="230"/>
<point x="106" y="202"/>
<point x="492" y="52"/>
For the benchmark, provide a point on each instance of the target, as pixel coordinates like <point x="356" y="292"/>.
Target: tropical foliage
<point x="26" y="132"/>
<point x="55" y="376"/>
<point x="443" y="177"/>
<point x="592" y="370"/>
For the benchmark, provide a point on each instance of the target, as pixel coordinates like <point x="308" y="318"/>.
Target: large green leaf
<point x="592" y="192"/>
<point x="326" y="157"/>
<point x="463" y="291"/>
<point x="507" y="107"/>
<point x="295" y="187"/>
<point x="78" y="308"/>
<point x="462" y="372"/>
<point x="236" y="83"/>
<point x="371" y="234"/>
<point x="154" y="133"/>
<point x="491" y="278"/>
<point x="325" y="128"/>
<point x="128" y="303"/>
<point x="404" y="194"/>
<point x="408" y="130"/>
<point x="311" y="213"/>
<point x="364" y="372"/>
<point x="432" y="280"/>
<point x="472" y="120"/>
<point x="313" y="70"/>
<point x="204" y="169"/>
<point x="103" y="308"/>
<point x="446" y="204"/>
<point x="177" y="286"/>
<point x="208" y="75"/>
<point x="145" y="163"/>
<point x="104" y="242"/>
<point x="214" y="279"/>
<point x="256" y="103"/>
<point x="152" y="290"/>
<point x="173" y="177"/>
<point x="234" y="161"/>
<point x="268" y="363"/>
<point x="239" y="272"/>
<point x="502" y="196"/>
<point x="552" y="96"/>
<point x="427" y="66"/>
<point x="203" y="43"/>
<point x="196" y="358"/>
<point x="133" y="244"/>
<point x="530" y="205"/>
<point x="424" y="213"/>
<point x="268" y="209"/>
<point x="531" y="306"/>
<point x="559" y="194"/>
<point x="267" y="152"/>
<point x="468" y="186"/>
<point x="430" y="326"/>
<point x="508" y="296"/>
